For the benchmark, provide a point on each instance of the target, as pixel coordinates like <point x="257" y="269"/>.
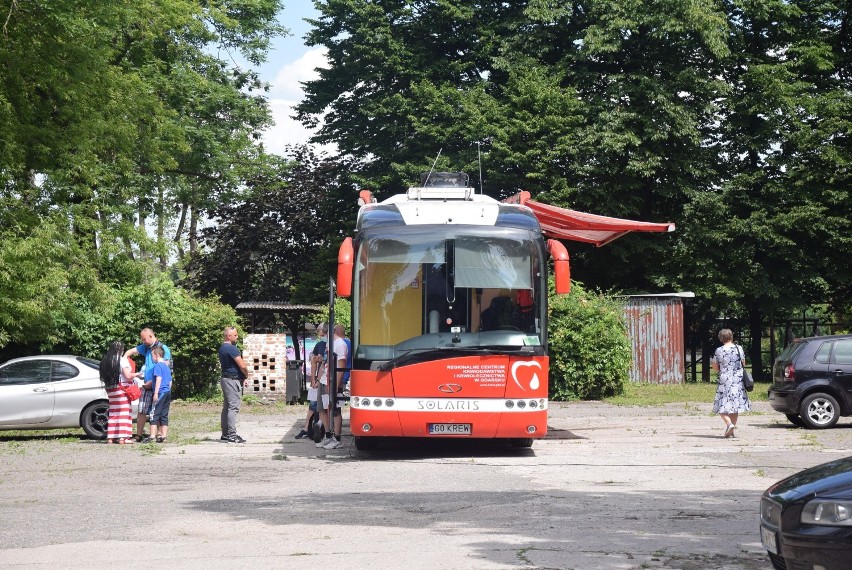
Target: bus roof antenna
<point x="433" y="167"/>
<point x="479" y="155"/>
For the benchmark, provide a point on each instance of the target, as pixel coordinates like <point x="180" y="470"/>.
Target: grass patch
<point x="642" y="394"/>
<point x="810" y="440"/>
<point x="190" y="422"/>
<point x="149" y="448"/>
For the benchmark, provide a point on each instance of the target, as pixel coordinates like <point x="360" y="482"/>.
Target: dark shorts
<point x="312" y="405"/>
<point x="160" y="414"/>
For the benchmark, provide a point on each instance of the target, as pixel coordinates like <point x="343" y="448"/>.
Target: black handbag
<point x="748" y="381"/>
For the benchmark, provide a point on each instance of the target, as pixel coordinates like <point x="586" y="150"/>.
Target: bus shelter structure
<point x="268" y="323"/>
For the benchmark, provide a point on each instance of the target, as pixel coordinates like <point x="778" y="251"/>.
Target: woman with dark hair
<point x="731" y="396"/>
<point x="117" y="373"/>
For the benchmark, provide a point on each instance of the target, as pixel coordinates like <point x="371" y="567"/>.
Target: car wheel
<point x="94" y="418"/>
<point x="365" y="443"/>
<point x="819" y="411"/>
<point x="521" y="441"/>
<point x="795" y="419"/>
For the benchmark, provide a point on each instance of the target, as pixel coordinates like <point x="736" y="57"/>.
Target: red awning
<point x="562" y="223"/>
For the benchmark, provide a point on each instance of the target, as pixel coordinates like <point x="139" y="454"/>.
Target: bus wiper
<point x="423" y="354"/>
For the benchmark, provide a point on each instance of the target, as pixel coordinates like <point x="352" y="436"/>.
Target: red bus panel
<point x="472" y="396"/>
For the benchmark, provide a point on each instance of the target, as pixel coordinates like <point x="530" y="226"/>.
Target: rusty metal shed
<point x="655" y="325"/>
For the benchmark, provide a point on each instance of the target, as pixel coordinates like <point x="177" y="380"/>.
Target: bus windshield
<point x="447" y="289"/>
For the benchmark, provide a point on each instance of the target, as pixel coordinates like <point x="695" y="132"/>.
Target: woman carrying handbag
<point x="117" y="375"/>
<point x="731" y="396"/>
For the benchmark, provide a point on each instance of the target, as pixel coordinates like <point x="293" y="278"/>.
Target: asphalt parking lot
<point x="609" y="488"/>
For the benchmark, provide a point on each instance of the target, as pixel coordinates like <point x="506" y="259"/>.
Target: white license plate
<point x="449" y="429"/>
<point x="767" y="537"/>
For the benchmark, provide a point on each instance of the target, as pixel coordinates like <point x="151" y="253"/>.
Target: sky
<point x="289" y="61"/>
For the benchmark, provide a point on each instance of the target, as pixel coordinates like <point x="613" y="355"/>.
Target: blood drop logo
<point x="527" y="373"/>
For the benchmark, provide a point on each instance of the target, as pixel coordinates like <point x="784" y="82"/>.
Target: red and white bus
<point x="449" y="315"/>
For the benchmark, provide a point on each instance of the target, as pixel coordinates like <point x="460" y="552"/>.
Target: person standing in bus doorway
<point x="317" y="362"/>
<point x="234" y="378"/>
<point x="332" y="440"/>
<point x="343" y="389"/>
<point x="149" y="341"/>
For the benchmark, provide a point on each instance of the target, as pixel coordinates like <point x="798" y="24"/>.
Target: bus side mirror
<point x="561" y="266"/>
<point x="345" y="259"/>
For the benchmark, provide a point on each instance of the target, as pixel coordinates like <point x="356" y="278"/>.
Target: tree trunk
<point x="755" y="358"/>
<point x="179" y="232"/>
<point x="125" y="239"/>
<point x="193" y="228"/>
<point x="705" y="333"/>
<point x="161" y="225"/>
<point x="142" y="219"/>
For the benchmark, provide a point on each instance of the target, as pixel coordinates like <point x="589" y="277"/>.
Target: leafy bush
<point x="343" y="313"/>
<point x="38" y="293"/>
<point x="189" y="325"/>
<point x="590" y="352"/>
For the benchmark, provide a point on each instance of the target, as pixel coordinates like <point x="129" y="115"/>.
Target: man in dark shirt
<point x="234" y="377"/>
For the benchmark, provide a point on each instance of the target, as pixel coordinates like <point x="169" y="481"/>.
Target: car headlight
<point x="828" y="512"/>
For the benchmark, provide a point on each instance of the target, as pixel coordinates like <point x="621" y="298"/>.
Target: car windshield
<point x="438" y="290"/>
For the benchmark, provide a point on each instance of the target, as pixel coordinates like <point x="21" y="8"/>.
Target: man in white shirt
<point x="340" y="355"/>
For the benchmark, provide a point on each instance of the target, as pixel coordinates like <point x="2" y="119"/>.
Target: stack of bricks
<point x="265" y="355"/>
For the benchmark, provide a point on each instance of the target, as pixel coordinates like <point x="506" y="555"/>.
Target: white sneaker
<point x="729" y="430"/>
<point x="333" y="444"/>
<point x="324" y="442"/>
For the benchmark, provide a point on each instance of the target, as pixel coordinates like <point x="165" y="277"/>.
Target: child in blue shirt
<point x="162" y="389"/>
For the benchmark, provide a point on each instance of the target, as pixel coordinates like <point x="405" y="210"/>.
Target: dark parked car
<point x="806" y="519"/>
<point x="812" y="381"/>
<point x="53" y="391"/>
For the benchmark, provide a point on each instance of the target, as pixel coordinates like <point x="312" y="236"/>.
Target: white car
<point x="53" y="391"/>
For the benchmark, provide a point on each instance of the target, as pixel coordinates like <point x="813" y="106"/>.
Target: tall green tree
<point x="116" y="118"/>
<point x="278" y="241"/>
<point x="105" y="108"/>
<point x="603" y="105"/>
<point x="769" y="236"/>
<point x="386" y="59"/>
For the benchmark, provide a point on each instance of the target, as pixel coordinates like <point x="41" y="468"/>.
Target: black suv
<point x="812" y="381"/>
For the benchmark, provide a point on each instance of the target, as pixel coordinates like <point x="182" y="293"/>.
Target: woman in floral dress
<point x="731" y="396"/>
